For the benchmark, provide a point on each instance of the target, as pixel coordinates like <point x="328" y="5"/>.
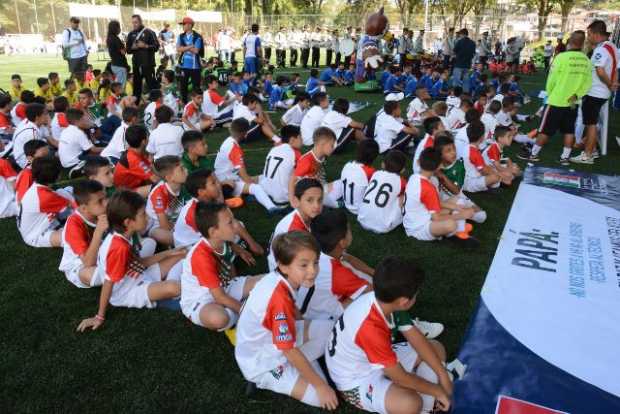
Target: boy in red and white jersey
<point x="156" y="100"/>
<point x="83" y="234"/>
<point x="113" y="101"/>
<point x="432" y="126"/>
<point x="218" y="107"/>
<point x="313" y="117"/>
<point x="381" y="210"/>
<point x="59" y="121"/>
<point x="133" y="170"/>
<point x="310" y="165"/>
<point x="370" y="371"/>
<point x="6" y="127"/>
<point x="8" y="206"/>
<point x="118" y="142"/>
<point x="164" y="201"/>
<point x="261" y="127"/>
<point x="456" y="117"/>
<point x="29" y="129"/>
<point x="211" y="291"/>
<point x="274" y="350"/>
<point x="391" y="132"/>
<point x="41" y="206"/>
<point x="230" y="166"/>
<point x="18" y="113"/>
<point x="478" y="175"/>
<point x="342" y="278"/>
<point x="418" y="108"/>
<point x="165" y="139"/>
<point x="488" y="118"/>
<point x="74" y="145"/>
<point x="129" y="280"/>
<point x="280" y="164"/>
<point x="32" y="149"/>
<point x="425" y="216"/>
<point x="307" y="200"/>
<point x="193" y="118"/>
<point x="355" y="175"/>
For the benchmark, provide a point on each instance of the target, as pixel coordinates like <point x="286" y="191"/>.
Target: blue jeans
<point x="120" y="72"/>
<point x="457" y="78"/>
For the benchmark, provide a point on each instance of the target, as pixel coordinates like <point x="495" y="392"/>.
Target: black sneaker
<point x="468" y="243"/>
<point x="564" y="161"/>
<point x="526" y="154"/>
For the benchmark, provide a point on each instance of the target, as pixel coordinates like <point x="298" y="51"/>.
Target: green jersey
<point x="201" y="163"/>
<point x="455" y="173"/>
<point x="225" y="264"/>
<point x="570" y="74"/>
<point x="400" y="322"/>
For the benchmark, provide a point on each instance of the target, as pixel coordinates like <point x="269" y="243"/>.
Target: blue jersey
<point x="384" y="77"/>
<point x="267" y="87"/>
<point x="190" y="60"/>
<point x="495" y="84"/>
<point x="411" y="86"/>
<point x="312" y="86"/>
<point x="426" y="81"/>
<point x="391" y="83"/>
<point x="437" y="89"/>
<point x="275" y="96"/>
<point x="236" y="88"/>
<point x="339" y="73"/>
<point x="326" y="75"/>
<point x="349" y="76"/>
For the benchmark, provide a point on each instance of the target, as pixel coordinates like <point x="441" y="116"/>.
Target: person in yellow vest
<point x="95" y="81"/>
<point x="55" y="85"/>
<point x="43" y="90"/>
<point x="16" y="87"/>
<point x="71" y="91"/>
<point x="129" y="85"/>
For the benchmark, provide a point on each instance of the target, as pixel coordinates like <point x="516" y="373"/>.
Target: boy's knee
<point x="408" y="403"/>
<point x="440" y="350"/>
<point x="451" y="226"/>
<point x="174" y="288"/>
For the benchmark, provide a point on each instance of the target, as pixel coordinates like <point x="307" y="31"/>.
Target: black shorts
<point x="255" y="133"/>
<point x="591" y="109"/>
<point x="558" y="118"/>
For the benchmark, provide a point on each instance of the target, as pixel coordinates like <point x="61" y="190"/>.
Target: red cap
<point x="187" y="20"/>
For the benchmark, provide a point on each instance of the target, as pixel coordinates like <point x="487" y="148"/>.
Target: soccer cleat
<point x="564" y="161"/>
<point x="528" y="156"/>
<point x="582" y="158"/>
<point x="457" y="369"/>
<point x="465" y="233"/>
<point x="231" y="334"/>
<point x="429" y="329"/>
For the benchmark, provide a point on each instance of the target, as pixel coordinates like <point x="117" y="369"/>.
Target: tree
<point x="565" y="8"/>
<point x="543" y="8"/>
<point x="452" y="12"/>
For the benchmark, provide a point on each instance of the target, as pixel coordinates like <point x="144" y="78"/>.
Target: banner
<point x="165" y="15"/>
<point x="90" y="10"/>
<point x="205" y="16"/>
<point x="547" y="330"/>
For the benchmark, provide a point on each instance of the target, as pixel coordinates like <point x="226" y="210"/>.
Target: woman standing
<point x="117" y="50"/>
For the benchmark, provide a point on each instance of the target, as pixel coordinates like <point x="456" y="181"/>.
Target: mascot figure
<point x="368" y="55"/>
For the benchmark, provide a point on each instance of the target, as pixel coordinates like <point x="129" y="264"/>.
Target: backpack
<point x="66" y="50"/>
<point x="195" y="35"/>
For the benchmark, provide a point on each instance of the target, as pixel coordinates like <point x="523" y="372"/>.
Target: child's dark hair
<point x="329" y="228"/>
<point x="430" y="159"/>
<point x="195" y="92"/>
<point x="508" y="101"/>
<point x="96" y="72"/>
<point x="302" y="96"/>
<point x="34" y="110"/>
<point x="135" y="135"/>
<point x="197" y="180"/>
<point x="289" y="131"/>
<point x="504" y="89"/>
<point x="52" y="75"/>
<point x="475" y="131"/>
<point x="239" y="126"/>
<point x="166" y="164"/>
<point x="390" y="106"/>
<point x="190" y="137"/>
<point x="155" y="94"/>
<point x="322" y="134"/>
<point x="83" y="189"/>
<point x="318" y="98"/>
<point x="397" y="277"/>
<point x="168" y="75"/>
<point x="287" y="245"/>
<point x="93" y="164"/>
<point x="431" y="124"/>
<point x="129" y="113"/>
<point x="457" y="91"/>
<point x="123" y="205"/>
<point x="163" y="114"/>
<point x="86" y="91"/>
<point x="305" y="184"/>
<point x="341" y="105"/>
<point x="42" y="81"/>
<point x="395" y="161"/>
<point x="74" y="115"/>
<point x="314" y="73"/>
<point x="115" y="85"/>
<point x="472" y="115"/>
<point x="16" y="76"/>
<point x="31" y="147"/>
<point x="443" y="139"/>
<point x="209" y="79"/>
<point x="367" y="151"/>
<point x="207" y="216"/>
<point x="26" y="96"/>
<point x="5" y="99"/>
<point x="466" y="102"/>
<point x="46" y="170"/>
<point x="501" y="131"/>
<point x="61" y="103"/>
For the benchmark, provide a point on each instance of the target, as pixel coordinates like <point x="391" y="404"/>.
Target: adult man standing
<point x="280" y="41"/>
<point x="464" y="51"/>
<point x="548" y="54"/>
<point x="252" y="51"/>
<point x="166" y="38"/>
<point x="604" y="82"/>
<point x="485" y="49"/>
<point x="142" y="44"/>
<point x="224" y="45"/>
<point x="74" y="47"/>
<point x="569" y="80"/>
<point x="305" y="47"/>
<point x="190" y="47"/>
<point x="448" y="48"/>
<point x="294" y="42"/>
<point x="418" y="47"/>
<point x="316" y="39"/>
<point x="267" y="40"/>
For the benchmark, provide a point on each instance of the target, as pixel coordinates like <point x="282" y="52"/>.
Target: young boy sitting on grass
<point x="195" y="152"/>
<point x="128" y="280"/>
<point x="211" y="291"/>
<point x="100" y="169"/>
<point x="32" y="149"/>
<point x="356" y="175"/>
<point x="342" y="125"/>
<point x="83" y="233"/>
<point x="133" y="170"/>
<point x="493" y="156"/>
<point x="478" y="175"/>
<point x="372" y="373"/>
<point x="74" y="145"/>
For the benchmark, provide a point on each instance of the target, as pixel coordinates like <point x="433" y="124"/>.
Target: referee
<point x="569" y="80"/>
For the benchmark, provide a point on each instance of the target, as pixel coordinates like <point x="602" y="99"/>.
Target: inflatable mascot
<point x="368" y="56"/>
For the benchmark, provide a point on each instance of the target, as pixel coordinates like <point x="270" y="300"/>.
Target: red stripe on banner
<point x="508" y="405"/>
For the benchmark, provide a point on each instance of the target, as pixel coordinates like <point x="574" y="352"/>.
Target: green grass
<point x="156" y="360"/>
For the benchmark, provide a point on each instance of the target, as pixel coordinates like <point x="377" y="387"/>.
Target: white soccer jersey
<point x="149" y="115"/>
<point x="387" y="129"/>
<point x="355" y="177"/>
<point x="490" y="123"/>
<point x="473" y="161"/>
<point x="165" y="140"/>
<point x="453" y="102"/>
<point x="422" y="201"/>
<point x="461" y="141"/>
<point x="415" y="110"/>
<point x="242" y="111"/>
<point x="59" y="123"/>
<point x="503" y="119"/>
<point x="266" y="326"/>
<point x="185" y="231"/>
<point x="72" y="143"/>
<point x="456" y="119"/>
<point x="294" y="115"/>
<point x="162" y="200"/>
<point x="192" y="113"/>
<point x="279" y="166"/>
<point x="39" y="209"/>
<point x="117" y="144"/>
<point x="605" y="56"/>
<point x="8" y="176"/>
<point x="336" y="122"/>
<point x="361" y="344"/>
<point x="292" y="221"/>
<point x="229" y="160"/>
<point x="311" y="121"/>
<point x="18" y="113"/>
<point x="334" y="283"/>
<point x="76" y="237"/>
<point x="25" y="131"/>
<point x="380" y="210"/>
<point x="427" y="142"/>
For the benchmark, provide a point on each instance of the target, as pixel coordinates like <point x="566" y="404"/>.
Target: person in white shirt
<point x="267" y="40"/>
<point x="166" y="138"/>
<point x="224" y="45"/>
<point x="74" y="144"/>
<point x="155" y="101"/>
<point x="304" y="40"/>
<point x="117" y="144"/>
<point x="548" y="54"/>
<point x="252" y="50"/>
<point x="391" y="131"/>
<point x="295" y="115"/>
<point x="343" y="126"/>
<point x="74" y="45"/>
<point x="419" y="43"/>
<point x="29" y="129"/>
<point x="418" y="108"/>
<point x="59" y="122"/>
<point x="280" y="41"/>
<point x="314" y="117"/>
<point x="456" y="117"/>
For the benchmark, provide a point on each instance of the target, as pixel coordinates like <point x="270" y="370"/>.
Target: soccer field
<point x="156" y="360"/>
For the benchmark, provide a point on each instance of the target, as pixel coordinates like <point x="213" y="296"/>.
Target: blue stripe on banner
<point x="499" y="364"/>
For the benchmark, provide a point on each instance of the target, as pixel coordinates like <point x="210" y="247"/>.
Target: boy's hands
<point x="256" y="249"/>
<point x="179" y="251"/>
<point x="442" y="400"/>
<point x="92" y="323"/>
<point x="465" y="213"/>
<point x="247" y="257"/>
<point x="102" y="224"/>
<point x="327" y="397"/>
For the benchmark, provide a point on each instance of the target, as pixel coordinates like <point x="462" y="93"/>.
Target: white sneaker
<point x="582" y="159"/>
<point x="429" y="329"/>
<point x="456" y="369"/>
<point x="596" y="154"/>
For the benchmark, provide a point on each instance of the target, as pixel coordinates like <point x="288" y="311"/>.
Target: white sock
<point x="536" y="149"/>
<point x="479" y="216"/>
<point x="232" y="319"/>
<point x="426" y="372"/>
<point x="261" y="196"/>
<point x="566" y="152"/>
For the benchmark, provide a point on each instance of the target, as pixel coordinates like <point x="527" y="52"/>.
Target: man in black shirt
<point x="464" y="51"/>
<point x="142" y="44"/>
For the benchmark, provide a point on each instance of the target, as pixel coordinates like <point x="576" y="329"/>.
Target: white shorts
<point x="234" y="290"/>
<point x="422" y="232"/>
<point x="42" y="240"/>
<point x="475" y="184"/>
<point x="73" y="276"/>
<point x="370" y="392"/>
<point x="138" y="295"/>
